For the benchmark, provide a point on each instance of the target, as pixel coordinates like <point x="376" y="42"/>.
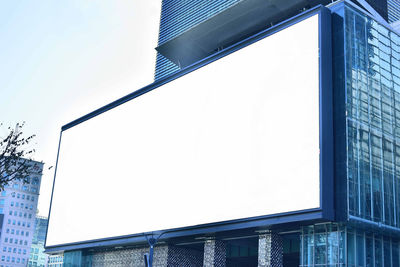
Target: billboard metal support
<point x="148" y="257"/>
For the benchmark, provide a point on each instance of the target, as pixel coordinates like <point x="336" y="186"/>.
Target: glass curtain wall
<point x="329" y="245"/>
<point x="373" y="119"/>
<point x="323" y="245"/>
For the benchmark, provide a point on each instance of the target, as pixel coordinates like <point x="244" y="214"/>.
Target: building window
<point x="30" y="216"/>
<point x="6" y="239"/>
<point x="15" y="186"/>
<point x="3" y="258"/>
<point x="10" y="212"/>
<point x="12" y="203"/>
<point x="1" y="201"/>
<point x="35" y="180"/>
<point x="3" y="193"/>
<point x="5" y="249"/>
<point x="17" y="232"/>
<point x="23" y="196"/>
<point x="12" y="231"/>
<point x="13" y="194"/>
<point x="27" y="234"/>
<point x="19" y="223"/>
<point x="16" y="204"/>
<point x="25" y="243"/>
<point x="25" y="188"/>
<point x="22" y="205"/>
<point x="18" y="195"/>
<point x="14" y="250"/>
<point x="32" y="198"/>
<point x="15" y="213"/>
<point x="31" y="207"/>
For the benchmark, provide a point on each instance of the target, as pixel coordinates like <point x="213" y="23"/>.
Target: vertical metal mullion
<point x="373" y="249"/>
<point x="313" y="247"/>
<point x="301" y="248"/>
<point x="339" y="232"/>
<point x="345" y="246"/>
<point x="381" y="159"/>
<point x="369" y="142"/>
<point x="358" y="112"/>
<point x="392" y="115"/>
<point x="382" y="251"/>
<point x="365" y="248"/>
<point x="391" y="252"/>
<point x="326" y="244"/>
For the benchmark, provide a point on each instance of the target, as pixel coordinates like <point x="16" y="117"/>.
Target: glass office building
<point x="367" y="90"/>
<point x="365" y="231"/>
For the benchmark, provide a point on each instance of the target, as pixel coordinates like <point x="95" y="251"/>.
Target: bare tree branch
<point x="16" y="162"/>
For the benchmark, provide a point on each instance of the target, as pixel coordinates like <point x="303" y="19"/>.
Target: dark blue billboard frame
<point x="326" y="210"/>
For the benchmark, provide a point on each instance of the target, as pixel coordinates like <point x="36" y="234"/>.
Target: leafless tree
<point x="16" y="162"/>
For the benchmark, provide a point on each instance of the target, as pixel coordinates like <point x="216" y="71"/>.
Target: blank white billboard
<point x="234" y="139"/>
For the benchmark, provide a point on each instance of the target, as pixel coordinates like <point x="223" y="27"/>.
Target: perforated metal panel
<point x="270" y="250"/>
<point x="214" y="253"/>
<point x="164" y="256"/>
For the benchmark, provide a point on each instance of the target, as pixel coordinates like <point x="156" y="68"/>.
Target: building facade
<point x="393" y="11"/>
<point x="55" y="260"/>
<point x="37" y="257"/>
<point x="366" y="101"/>
<point x="18" y="205"/>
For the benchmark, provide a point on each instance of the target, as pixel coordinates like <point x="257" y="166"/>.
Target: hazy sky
<point x="62" y="59"/>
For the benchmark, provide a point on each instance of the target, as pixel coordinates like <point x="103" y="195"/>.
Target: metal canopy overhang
<point x="236" y="23"/>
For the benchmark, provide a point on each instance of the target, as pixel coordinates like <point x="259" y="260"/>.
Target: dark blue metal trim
<point x="324" y="213"/>
<point x="339" y="110"/>
<point x="52" y="190"/>
<point x="313" y="215"/>
<point x="326" y="115"/>
<point x="374" y="226"/>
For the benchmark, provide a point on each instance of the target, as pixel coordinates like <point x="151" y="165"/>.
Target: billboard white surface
<point x="234" y="139"/>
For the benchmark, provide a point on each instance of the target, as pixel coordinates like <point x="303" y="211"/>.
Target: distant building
<point x="37" y="256"/>
<point x="55" y="260"/>
<point x="18" y="203"/>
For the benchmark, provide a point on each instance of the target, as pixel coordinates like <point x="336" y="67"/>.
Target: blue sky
<point x="62" y="59"/>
